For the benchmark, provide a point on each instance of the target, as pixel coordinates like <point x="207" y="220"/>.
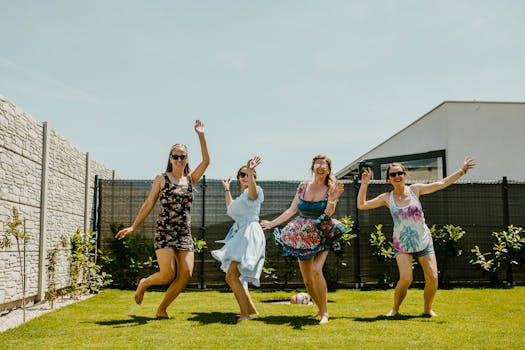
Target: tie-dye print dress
<point x="411" y="233"/>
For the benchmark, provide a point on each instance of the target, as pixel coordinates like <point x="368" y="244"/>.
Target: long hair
<point x="169" y="167"/>
<point x="394" y="164"/>
<point x="330" y="179"/>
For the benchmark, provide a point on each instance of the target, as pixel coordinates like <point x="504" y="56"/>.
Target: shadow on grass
<point x="398" y="317"/>
<point x="296" y="322"/>
<point x="214" y="317"/>
<point x="134" y="320"/>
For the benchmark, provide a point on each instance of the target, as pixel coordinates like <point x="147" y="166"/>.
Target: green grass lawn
<point x="468" y="319"/>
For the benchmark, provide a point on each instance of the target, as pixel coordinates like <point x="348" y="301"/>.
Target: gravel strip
<point x="14" y="318"/>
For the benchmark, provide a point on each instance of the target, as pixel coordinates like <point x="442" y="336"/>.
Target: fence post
<point x="203" y="232"/>
<point x="506" y="219"/>
<point x="357" y="248"/>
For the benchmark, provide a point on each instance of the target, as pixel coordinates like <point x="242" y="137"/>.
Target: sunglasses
<point x="318" y="165"/>
<point x="241" y="174"/>
<point x="178" y="156"/>
<point x="398" y="173"/>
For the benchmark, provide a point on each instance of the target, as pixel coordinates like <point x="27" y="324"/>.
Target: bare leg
<point x="404" y="264"/>
<point x="429" y="265"/>
<point x="320" y="285"/>
<point x="185" y="261"/>
<point x="315" y="283"/>
<point x="166" y="260"/>
<point x="241" y="294"/>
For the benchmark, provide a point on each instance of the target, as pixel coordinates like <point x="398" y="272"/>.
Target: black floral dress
<point x="173" y="229"/>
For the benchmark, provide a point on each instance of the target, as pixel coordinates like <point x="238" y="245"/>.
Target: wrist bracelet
<point x="332" y="202"/>
<point x="463" y="172"/>
<point x="226" y="190"/>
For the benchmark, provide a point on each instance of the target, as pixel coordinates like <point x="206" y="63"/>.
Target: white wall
<point x="69" y="198"/>
<point x="492" y="133"/>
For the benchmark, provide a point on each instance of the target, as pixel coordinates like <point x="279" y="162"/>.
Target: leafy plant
<point x="447" y="245"/>
<point x="383" y="250"/>
<point x="129" y="259"/>
<point x="52" y="291"/>
<point x="506" y="252"/>
<point x="332" y="271"/>
<point x="16" y="229"/>
<point x="85" y="274"/>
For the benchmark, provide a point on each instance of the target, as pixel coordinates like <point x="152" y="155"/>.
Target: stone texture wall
<point x="67" y="207"/>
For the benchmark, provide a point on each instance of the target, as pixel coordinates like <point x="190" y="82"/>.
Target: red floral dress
<point x="311" y="231"/>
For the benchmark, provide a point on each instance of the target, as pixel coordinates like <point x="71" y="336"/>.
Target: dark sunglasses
<point x="178" y="156"/>
<point x="399" y="173"/>
<point x="241" y="174"/>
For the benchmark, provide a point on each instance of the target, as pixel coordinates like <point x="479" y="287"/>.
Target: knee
<point x="405" y="279"/>
<point x="166" y="277"/>
<point x="431" y="277"/>
<point x="184" y="274"/>
<point x="231" y="277"/>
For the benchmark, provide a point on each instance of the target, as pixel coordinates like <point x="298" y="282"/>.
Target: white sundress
<point x="245" y="242"/>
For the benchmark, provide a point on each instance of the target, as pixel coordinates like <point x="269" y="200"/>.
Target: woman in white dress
<point x="242" y="256"/>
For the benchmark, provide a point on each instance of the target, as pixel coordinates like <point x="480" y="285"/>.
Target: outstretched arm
<point x="285" y="216"/>
<point x="421" y="189"/>
<point x="144" y="210"/>
<point x="201" y="168"/>
<point x="376" y="202"/>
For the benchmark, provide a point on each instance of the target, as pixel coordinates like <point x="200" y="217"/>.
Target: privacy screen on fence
<point x="478" y="208"/>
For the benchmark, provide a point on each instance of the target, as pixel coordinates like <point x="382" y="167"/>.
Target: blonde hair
<point x="330" y="179"/>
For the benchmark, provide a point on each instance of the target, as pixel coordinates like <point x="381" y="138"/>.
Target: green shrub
<point x="507" y="251"/>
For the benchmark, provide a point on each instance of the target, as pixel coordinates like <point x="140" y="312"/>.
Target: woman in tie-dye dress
<point x="411" y="235"/>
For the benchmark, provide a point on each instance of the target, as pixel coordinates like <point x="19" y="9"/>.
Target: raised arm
<point x="285" y="216"/>
<point x="145" y="209"/>
<point x="335" y="191"/>
<point x="201" y="168"/>
<point x="362" y="203"/>
<point x="420" y="189"/>
<point x="227" y="193"/>
<point x="252" y="186"/>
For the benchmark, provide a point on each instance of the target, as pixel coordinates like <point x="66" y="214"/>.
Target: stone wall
<point x="51" y="182"/>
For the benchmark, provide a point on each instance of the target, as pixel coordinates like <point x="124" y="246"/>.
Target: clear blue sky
<point x="124" y="80"/>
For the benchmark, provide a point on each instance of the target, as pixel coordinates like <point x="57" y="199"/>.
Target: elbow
<point x="360" y="206"/>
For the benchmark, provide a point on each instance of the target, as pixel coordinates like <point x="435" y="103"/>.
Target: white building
<point x="435" y="145"/>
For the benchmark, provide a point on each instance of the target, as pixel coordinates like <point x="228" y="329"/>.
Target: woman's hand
<point x="467" y="165"/>
<point x="265" y="224"/>
<point x="226" y="184"/>
<point x="199" y="127"/>
<point x="336" y="190"/>
<point x="252" y="163"/>
<point x="124" y="232"/>
<point x="366" y="176"/>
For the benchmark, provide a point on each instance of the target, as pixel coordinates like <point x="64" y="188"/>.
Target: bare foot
<point x="139" y="293"/>
<point x="244" y="318"/>
<point x="430" y="313"/>
<point x="324" y="319"/>
<point x="391" y="313"/>
<point x="162" y="316"/>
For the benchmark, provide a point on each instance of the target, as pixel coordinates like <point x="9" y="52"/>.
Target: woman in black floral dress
<point x="173" y="240"/>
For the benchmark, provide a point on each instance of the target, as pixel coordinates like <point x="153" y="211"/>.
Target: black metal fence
<point x="479" y="208"/>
